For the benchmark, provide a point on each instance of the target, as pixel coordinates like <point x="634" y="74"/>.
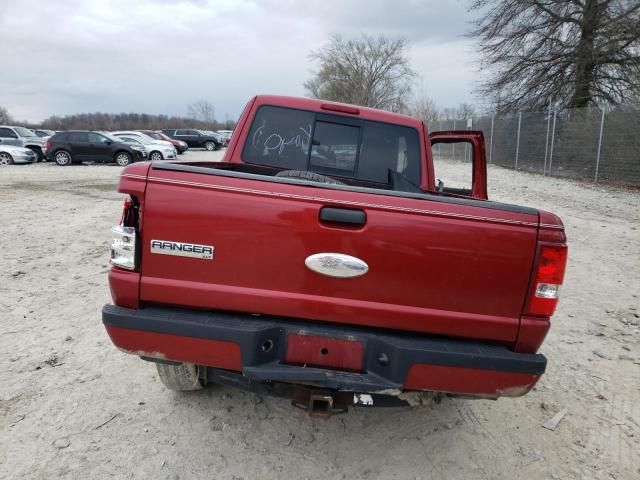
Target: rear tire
<point x="63" y="158"/>
<point x="307" y="175"/>
<point x="180" y="378"/>
<point x="123" y="159"/>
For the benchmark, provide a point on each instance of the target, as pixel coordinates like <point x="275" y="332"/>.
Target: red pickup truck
<point x="322" y="261"/>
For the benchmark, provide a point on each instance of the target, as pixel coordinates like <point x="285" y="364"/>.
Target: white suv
<point x="22" y="137"/>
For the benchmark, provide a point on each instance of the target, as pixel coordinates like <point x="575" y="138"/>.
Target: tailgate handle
<point x="347" y="216"/>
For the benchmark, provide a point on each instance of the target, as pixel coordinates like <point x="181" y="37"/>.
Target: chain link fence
<point x="586" y="144"/>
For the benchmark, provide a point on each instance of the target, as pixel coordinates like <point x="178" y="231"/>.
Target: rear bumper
<point x="270" y="349"/>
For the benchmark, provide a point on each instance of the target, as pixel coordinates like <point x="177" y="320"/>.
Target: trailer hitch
<point x="322" y="404"/>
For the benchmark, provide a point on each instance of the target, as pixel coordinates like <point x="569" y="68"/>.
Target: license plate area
<point x="325" y="352"/>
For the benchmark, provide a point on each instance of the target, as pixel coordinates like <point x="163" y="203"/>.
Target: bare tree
<point x="423" y="107"/>
<point x="127" y="121"/>
<point x="372" y="72"/>
<point x="464" y="111"/>
<point x="4" y="116"/>
<point x="202" y="110"/>
<point x="573" y="53"/>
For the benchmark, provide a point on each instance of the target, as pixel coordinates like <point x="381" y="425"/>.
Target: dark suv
<point x="79" y="146"/>
<point x="194" y="138"/>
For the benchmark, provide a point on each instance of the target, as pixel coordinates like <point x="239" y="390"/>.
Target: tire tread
<point x="180" y="378"/>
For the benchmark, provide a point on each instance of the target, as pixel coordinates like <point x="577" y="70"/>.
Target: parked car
<point x="217" y="135"/>
<point x="323" y="261"/>
<point x="77" y="146"/>
<point x="136" y="144"/>
<point x="226" y="134"/>
<point x="11" y="154"/>
<point x="157" y="149"/>
<point x="194" y="138"/>
<point x="44" y="133"/>
<point x="179" y="145"/>
<point x="22" y="137"/>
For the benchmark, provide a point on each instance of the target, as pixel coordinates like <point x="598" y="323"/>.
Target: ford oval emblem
<point x="336" y="265"/>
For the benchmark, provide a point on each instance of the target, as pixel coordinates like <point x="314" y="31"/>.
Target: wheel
<point x="63" y="158"/>
<point x="307" y="175"/>
<point x="5" y="159"/>
<point x="155" y="156"/>
<point x="210" y="146"/>
<point x="180" y="378"/>
<point x="123" y="159"/>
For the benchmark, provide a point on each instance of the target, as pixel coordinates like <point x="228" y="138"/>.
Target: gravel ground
<point x="72" y="406"/>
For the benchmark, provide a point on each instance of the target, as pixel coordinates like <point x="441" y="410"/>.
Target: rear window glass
<point x="78" y="137"/>
<point x="334" y="147"/>
<point x="346" y="147"/>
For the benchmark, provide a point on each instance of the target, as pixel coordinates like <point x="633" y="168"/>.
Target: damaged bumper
<point x="270" y="354"/>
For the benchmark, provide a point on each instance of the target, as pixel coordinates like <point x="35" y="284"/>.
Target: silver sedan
<point x="10" y="154"/>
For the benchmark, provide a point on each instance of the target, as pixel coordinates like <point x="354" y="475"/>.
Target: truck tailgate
<point x="452" y="268"/>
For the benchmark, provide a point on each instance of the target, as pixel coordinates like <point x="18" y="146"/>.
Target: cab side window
<point x="7" y="133"/>
<point x="97" y="138"/>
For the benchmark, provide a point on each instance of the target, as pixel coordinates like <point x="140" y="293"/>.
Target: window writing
<point x="345" y="147"/>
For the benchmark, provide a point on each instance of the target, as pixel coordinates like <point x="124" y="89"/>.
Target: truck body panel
<point x="366" y="280"/>
<point x="433" y="267"/>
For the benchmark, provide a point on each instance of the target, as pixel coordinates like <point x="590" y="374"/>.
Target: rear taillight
<point x="123" y="247"/>
<point x="124" y="238"/>
<point x="547" y="279"/>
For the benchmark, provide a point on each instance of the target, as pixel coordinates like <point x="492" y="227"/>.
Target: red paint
<point x="336" y="107"/>
<point x="479" y="173"/>
<point x="317" y="351"/>
<point x="433" y="267"/>
<point x="124" y="286"/>
<point x="469" y="381"/>
<point x="133" y="181"/>
<point x="531" y="335"/>
<point x="551" y="229"/>
<point x="212" y="353"/>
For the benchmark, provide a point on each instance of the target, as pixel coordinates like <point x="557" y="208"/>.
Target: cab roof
<point x="345" y="109"/>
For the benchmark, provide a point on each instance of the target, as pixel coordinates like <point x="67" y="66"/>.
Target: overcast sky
<point x="156" y="56"/>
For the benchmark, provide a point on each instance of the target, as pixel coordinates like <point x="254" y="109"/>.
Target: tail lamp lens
<point x="549" y="275"/>
<point x="123" y="247"/>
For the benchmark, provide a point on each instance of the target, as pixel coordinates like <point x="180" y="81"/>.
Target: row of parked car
<point x="21" y="145"/>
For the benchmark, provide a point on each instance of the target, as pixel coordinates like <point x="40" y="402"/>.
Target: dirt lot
<point x="72" y="406"/>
